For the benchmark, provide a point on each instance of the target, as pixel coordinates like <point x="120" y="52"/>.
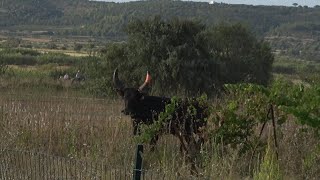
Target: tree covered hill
<point x="108" y="19"/>
<point x="292" y="30"/>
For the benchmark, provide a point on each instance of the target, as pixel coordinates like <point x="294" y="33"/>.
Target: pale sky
<point x="310" y="3"/>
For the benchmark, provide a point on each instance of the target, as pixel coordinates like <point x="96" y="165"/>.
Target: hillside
<point x="103" y="19"/>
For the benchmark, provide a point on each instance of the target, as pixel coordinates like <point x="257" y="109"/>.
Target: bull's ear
<point x="141" y="97"/>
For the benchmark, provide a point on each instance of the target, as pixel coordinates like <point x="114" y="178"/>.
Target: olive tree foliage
<point x="243" y="58"/>
<point x="174" y="51"/>
<point x="99" y="69"/>
<point x="185" y="57"/>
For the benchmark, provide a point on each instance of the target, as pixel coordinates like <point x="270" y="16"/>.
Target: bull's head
<point x="132" y="96"/>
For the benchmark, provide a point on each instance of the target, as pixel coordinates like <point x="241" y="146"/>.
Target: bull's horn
<point x="146" y="82"/>
<point x="116" y="82"/>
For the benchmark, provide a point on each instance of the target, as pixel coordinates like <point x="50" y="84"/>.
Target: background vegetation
<point x="292" y="30"/>
<point x="247" y="65"/>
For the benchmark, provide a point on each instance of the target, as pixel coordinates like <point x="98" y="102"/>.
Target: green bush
<point x="20" y="51"/>
<point x="32" y="57"/>
<point x="3" y="68"/>
<point x="58" y="58"/>
<point x="187" y="58"/>
<point x="246" y="106"/>
<point x="18" y="59"/>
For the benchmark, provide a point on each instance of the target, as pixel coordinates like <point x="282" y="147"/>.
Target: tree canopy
<point x="187" y="57"/>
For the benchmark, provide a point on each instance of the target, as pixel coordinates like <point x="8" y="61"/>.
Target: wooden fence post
<point x="138" y="164"/>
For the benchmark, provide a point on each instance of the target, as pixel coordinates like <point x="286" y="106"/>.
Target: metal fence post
<point x="138" y="164"/>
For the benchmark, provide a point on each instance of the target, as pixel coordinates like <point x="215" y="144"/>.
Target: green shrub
<point x="18" y="59"/>
<point x="20" y="51"/>
<point x="3" y="68"/>
<point x="58" y="58"/>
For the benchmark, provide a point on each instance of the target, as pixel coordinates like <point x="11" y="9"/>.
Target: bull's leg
<point x="136" y="129"/>
<point x="153" y="142"/>
<point x="184" y="147"/>
<point x="188" y="149"/>
<point x="187" y="143"/>
<point x="194" y="146"/>
<point x="181" y="148"/>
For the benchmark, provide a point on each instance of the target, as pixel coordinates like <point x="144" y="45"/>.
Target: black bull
<point x="143" y="109"/>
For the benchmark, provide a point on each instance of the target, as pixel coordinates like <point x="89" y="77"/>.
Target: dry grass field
<point x="79" y="129"/>
<point x="52" y="136"/>
<point x="67" y="52"/>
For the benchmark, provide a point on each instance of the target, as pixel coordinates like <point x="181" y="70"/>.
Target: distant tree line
<point x="299" y="40"/>
<point x="108" y="19"/>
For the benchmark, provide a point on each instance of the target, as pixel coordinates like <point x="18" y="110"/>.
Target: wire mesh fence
<point x="25" y="165"/>
<point x="70" y="131"/>
<point x="32" y="165"/>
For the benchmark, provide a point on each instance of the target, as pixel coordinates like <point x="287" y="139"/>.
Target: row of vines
<point x="248" y="105"/>
<point x="244" y="106"/>
<point x="239" y="118"/>
<point x="246" y="109"/>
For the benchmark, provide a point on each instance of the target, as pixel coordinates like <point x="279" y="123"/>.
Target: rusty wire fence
<point x="25" y="165"/>
<point x="31" y="125"/>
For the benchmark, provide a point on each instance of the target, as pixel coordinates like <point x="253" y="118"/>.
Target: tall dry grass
<point x="95" y="130"/>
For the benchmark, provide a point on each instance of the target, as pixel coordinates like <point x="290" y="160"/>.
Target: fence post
<point x="138" y="164"/>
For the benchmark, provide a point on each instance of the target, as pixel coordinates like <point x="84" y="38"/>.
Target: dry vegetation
<point x="92" y="136"/>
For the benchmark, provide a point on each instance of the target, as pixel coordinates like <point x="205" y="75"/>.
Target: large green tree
<point x="175" y="53"/>
<point x="242" y="56"/>
<point x="186" y="57"/>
